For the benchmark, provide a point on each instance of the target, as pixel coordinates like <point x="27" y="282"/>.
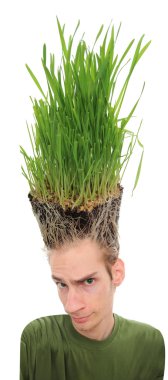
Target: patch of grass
<point x="78" y="138"/>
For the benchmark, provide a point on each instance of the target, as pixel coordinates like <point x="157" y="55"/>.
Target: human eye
<point x="60" y="285"/>
<point x="89" y="281"/>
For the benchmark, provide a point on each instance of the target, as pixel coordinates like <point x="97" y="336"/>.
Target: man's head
<point x="86" y="278"/>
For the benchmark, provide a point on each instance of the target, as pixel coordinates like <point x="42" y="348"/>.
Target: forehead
<point x="77" y="259"/>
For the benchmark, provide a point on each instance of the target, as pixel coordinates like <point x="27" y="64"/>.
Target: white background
<point x="27" y="291"/>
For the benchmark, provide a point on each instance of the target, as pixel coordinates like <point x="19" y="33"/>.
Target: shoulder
<point x="142" y="334"/>
<point x="139" y="328"/>
<point x="43" y="328"/>
<point x="39" y="339"/>
<point x="143" y="344"/>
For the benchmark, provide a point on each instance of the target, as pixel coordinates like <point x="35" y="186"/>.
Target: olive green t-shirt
<point x="51" y="349"/>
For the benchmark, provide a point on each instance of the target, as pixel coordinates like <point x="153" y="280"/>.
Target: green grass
<point x="81" y="145"/>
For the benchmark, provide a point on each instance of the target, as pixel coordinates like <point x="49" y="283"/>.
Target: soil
<point x="58" y="224"/>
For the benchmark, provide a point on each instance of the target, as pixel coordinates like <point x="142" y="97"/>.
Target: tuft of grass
<point x="81" y="145"/>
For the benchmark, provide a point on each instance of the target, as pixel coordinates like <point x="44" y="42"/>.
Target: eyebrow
<point x="75" y="281"/>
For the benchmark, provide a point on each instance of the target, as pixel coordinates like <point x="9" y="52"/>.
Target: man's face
<point x="84" y="286"/>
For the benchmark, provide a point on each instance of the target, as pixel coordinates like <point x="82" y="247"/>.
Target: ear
<point x="118" y="272"/>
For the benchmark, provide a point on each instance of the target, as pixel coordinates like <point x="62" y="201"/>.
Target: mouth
<point x="80" y="319"/>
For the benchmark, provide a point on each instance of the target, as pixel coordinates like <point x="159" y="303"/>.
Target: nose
<point x="74" y="302"/>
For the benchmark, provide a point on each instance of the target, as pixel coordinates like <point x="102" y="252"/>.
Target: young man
<point x="90" y="342"/>
<point x="75" y="192"/>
